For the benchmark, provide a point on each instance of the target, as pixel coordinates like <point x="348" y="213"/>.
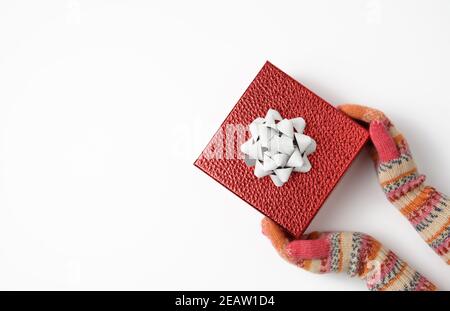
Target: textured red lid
<point x="339" y="139"/>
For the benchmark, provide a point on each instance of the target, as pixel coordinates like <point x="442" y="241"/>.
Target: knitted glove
<point x="426" y="209"/>
<point x="355" y="253"/>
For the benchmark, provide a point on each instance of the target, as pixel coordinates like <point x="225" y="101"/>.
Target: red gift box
<point x="339" y="139"/>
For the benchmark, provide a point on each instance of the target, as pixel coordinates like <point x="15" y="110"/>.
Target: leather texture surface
<point x="339" y="139"/>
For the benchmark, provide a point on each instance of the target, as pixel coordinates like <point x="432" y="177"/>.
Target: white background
<point x="105" y="105"/>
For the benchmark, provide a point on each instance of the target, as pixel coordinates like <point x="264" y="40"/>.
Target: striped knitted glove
<point x="426" y="209"/>
<point x="355" y="253"/>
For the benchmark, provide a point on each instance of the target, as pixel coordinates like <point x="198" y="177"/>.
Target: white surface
<point x="88" y="199"/>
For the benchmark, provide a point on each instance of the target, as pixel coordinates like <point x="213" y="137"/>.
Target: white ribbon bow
<point x="278" y="147"/>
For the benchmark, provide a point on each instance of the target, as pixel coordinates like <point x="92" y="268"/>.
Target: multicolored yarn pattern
<point x="361" y="255"/>
<point x="426" y="208"/>
<point x="355" y="253"/>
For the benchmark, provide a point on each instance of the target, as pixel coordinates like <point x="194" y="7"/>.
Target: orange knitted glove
<point x="355" y="253"/>
<point x="426" y="209"/>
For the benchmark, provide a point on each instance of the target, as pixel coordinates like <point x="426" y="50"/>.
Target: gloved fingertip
<point x="275" y="233"/>
<point x="264" y="226"/>
<point x="383" y="141"/>
<point x="361" y="113"/>
<point x="353" y="111"/>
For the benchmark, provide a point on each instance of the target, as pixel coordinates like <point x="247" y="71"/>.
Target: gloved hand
<point x="426" y="209"/>
<point x="355" y="253"/>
